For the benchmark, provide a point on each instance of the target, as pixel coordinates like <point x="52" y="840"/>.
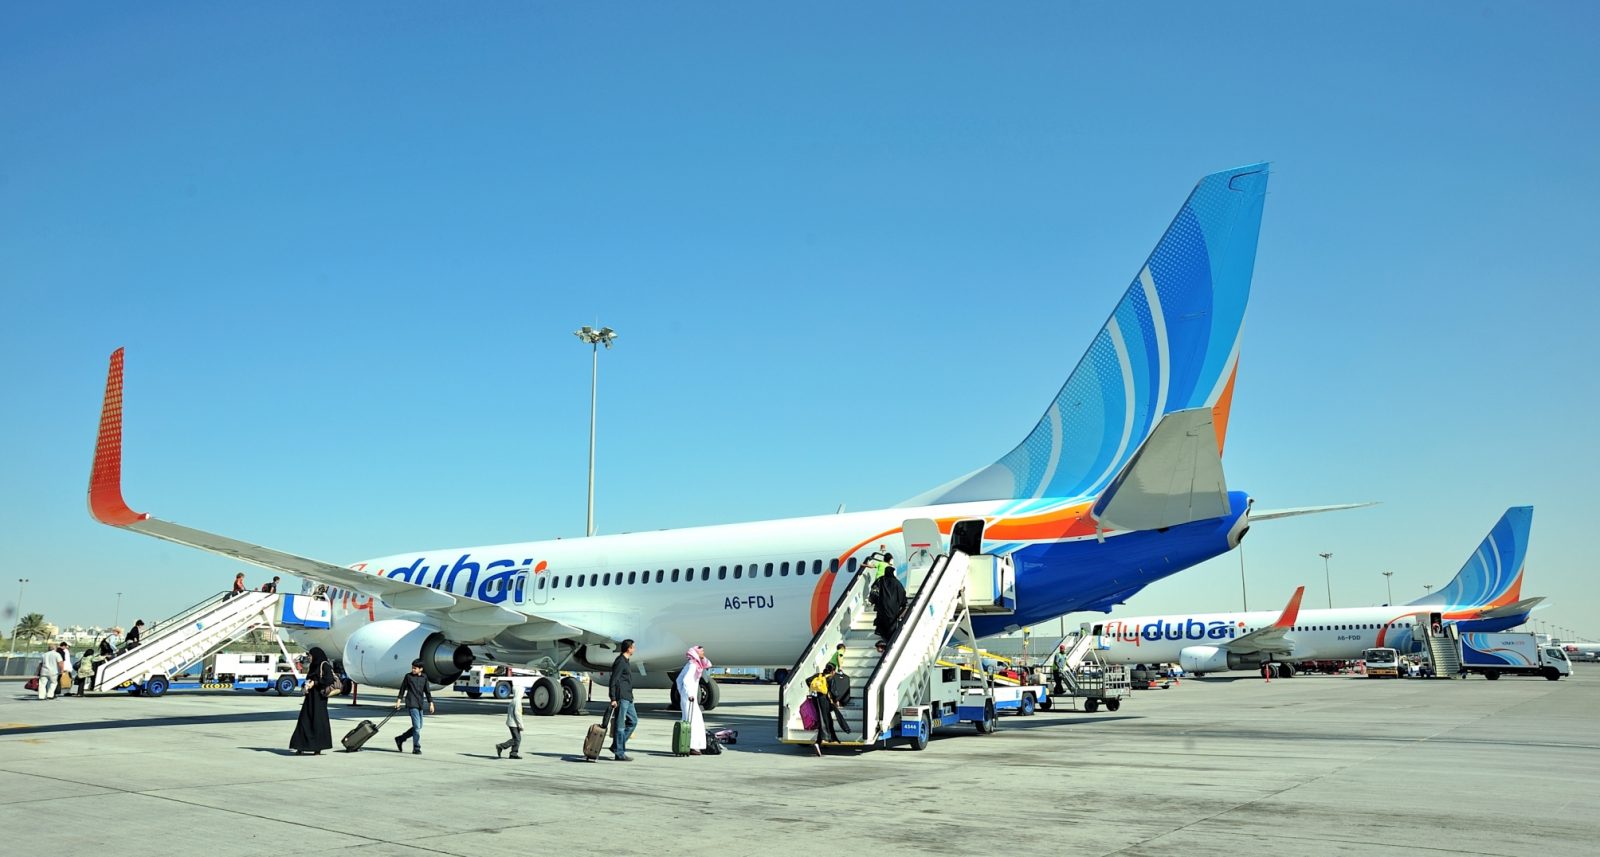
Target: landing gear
<point x="1285" y="671"/>
<point x="710" y="694"/>
<point x="544" y="697"/>
<point x="574" y="696"/>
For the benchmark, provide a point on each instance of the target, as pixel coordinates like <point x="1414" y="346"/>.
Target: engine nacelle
<point x="381" y="653"/>
<point x="1206" y="659"/>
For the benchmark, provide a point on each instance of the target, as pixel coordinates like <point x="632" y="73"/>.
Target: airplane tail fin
<point x="1171" y="344"/>
<point x="1492" y="576"/>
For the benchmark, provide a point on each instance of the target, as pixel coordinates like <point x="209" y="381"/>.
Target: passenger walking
<point x="64" y="683"/>
<point x="86" y="662"/>
<point x="49" y="671"/>
<point x="689" y="697"/>
<point x="238" y="586"/>
<point x="312" y="732"/>
<point x="827" y="712"/>
<point x="625" y="717"/>
<point x="133" y="636"/>
<point x="888" y="599"/>
<point x="108" y="644"/>
<point x="513" y="723"/>
<point x="414" y="691"/>
<point x="272" y="586"/>
<point x="838" y="657"/>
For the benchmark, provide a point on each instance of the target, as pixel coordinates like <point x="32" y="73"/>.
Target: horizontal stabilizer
<point x="1515" y="609"/>
<point x="1175" y="477"/>
<point x="1272" y="514"/>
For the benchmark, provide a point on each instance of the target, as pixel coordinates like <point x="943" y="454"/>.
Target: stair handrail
<point x="853" y="593"/>
<point x="872" y="703"/>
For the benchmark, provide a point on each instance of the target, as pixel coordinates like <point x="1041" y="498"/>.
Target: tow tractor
<point x="498" y="682"/>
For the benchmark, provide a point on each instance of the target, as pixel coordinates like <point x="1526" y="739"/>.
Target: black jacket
<point x="414" y="690"/>
<point x="621" y="679"/>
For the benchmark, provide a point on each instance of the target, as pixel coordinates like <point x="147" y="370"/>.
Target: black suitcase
<point x="359" y="736"/>
<point x="839" y="688"/>
<point x="596" y="736"/>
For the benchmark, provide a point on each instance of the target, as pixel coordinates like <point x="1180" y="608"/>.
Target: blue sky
<point x="852" y="250"/>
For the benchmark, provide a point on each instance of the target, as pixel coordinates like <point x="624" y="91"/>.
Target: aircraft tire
<point x="710" y="694"/>
<point x="545" y="697"/>
<point x="574" y="696"/>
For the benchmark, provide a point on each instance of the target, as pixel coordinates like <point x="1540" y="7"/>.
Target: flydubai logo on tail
<point x="1178" y="629"/>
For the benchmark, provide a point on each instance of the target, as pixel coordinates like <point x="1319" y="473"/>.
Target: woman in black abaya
<point x="312" y="734"/>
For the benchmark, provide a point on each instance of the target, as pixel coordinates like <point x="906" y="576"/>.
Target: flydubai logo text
<point x="1138" y="633"/>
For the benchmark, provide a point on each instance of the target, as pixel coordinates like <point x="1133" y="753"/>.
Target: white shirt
<point x="66" y="662"/>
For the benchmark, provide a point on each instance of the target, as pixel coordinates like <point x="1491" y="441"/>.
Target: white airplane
<point x="1118" y="485"/>
<point x="1484" y="596"/>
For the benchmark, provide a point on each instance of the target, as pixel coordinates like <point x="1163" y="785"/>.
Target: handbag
<point x="329" y="688"/>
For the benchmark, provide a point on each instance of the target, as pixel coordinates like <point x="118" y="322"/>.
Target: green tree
<point x="32" y="627"/>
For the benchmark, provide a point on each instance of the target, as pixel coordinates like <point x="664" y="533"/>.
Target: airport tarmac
<point x="1310" y="765"/>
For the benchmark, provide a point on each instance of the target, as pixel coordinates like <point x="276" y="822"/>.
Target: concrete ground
<point x="1310" y="765"/>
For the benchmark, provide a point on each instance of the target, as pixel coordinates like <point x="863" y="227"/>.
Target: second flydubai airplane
<point x="1486" y="595"/>
<point x="1118" y="485"/>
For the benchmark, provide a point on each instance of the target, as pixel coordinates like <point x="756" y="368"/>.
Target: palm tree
<point x="32" y="627"/>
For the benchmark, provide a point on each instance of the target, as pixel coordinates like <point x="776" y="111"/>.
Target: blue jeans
<point x="627" y="717"/>
<point x="415" y="732"/>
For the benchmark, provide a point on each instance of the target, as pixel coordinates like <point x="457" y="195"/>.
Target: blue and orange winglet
<point x="105" y="480"/>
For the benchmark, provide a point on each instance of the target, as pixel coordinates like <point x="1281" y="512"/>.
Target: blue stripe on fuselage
<point x="1065" y="577"/>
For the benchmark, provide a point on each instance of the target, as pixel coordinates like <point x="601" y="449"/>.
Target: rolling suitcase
<point x="359" y="736"/>
<point x="681" y="733"/>
<point x="596" y="736"/>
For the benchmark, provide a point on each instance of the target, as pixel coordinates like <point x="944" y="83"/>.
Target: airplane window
<point x="580" y="581"/>
<point x="594" y="580"/>
<point x="769" y="569"/>
<point x="661" y="574"/>
<point x="674" y="575"/>
<point x="632" y="576"/>
<point x="606" y="581"/>
<point x="541" y="583"/>
<point x="833" y="566"/>
<point x="722" y="572"/>
<point x="816" y="567"/>
<point x="783" y="570"/>
<point x="850" y="567"/>
<point x="705" y="573"/>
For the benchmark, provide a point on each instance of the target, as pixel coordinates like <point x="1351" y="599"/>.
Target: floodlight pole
<point x="1326" y="578"/>
<point x="1388" y="587"/>
<point x="595" y="338"/>
<point x="22" y="584"/>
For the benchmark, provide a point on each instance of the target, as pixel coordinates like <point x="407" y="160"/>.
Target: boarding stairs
<point x="174" y="644"/>
<point x="940" y="610"/>
<point x="1444" y="648"/>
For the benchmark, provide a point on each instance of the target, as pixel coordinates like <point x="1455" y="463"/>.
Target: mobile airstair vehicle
<point x="171" y="647"/>
<point x="906" y="693"/>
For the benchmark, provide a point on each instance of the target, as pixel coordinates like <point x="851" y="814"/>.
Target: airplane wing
<point x="466" y="619"/>
<point x="1273" y="637"/>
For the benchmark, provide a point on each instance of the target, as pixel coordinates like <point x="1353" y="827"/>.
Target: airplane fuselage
<point x="754" y="593"/>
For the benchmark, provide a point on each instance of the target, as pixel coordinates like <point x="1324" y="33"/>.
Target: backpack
<point x="713" y="746"/>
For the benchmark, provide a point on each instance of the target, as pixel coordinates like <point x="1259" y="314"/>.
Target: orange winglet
<point x="105" y="480"/>
<point x="1291" y="611"/>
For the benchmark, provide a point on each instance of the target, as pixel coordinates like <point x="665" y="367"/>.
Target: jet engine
<point x="381" y="653"/>
<point x="1200" y="660"/>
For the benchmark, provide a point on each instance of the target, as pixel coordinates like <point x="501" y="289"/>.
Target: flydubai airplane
<point x="1486" y="595"/>
<point x="1118" y="485"/>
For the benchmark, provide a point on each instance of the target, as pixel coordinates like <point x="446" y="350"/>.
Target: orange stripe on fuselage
<point x="1070" y="522"/>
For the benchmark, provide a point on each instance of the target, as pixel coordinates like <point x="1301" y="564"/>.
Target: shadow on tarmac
<point x="146" y="722"/>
